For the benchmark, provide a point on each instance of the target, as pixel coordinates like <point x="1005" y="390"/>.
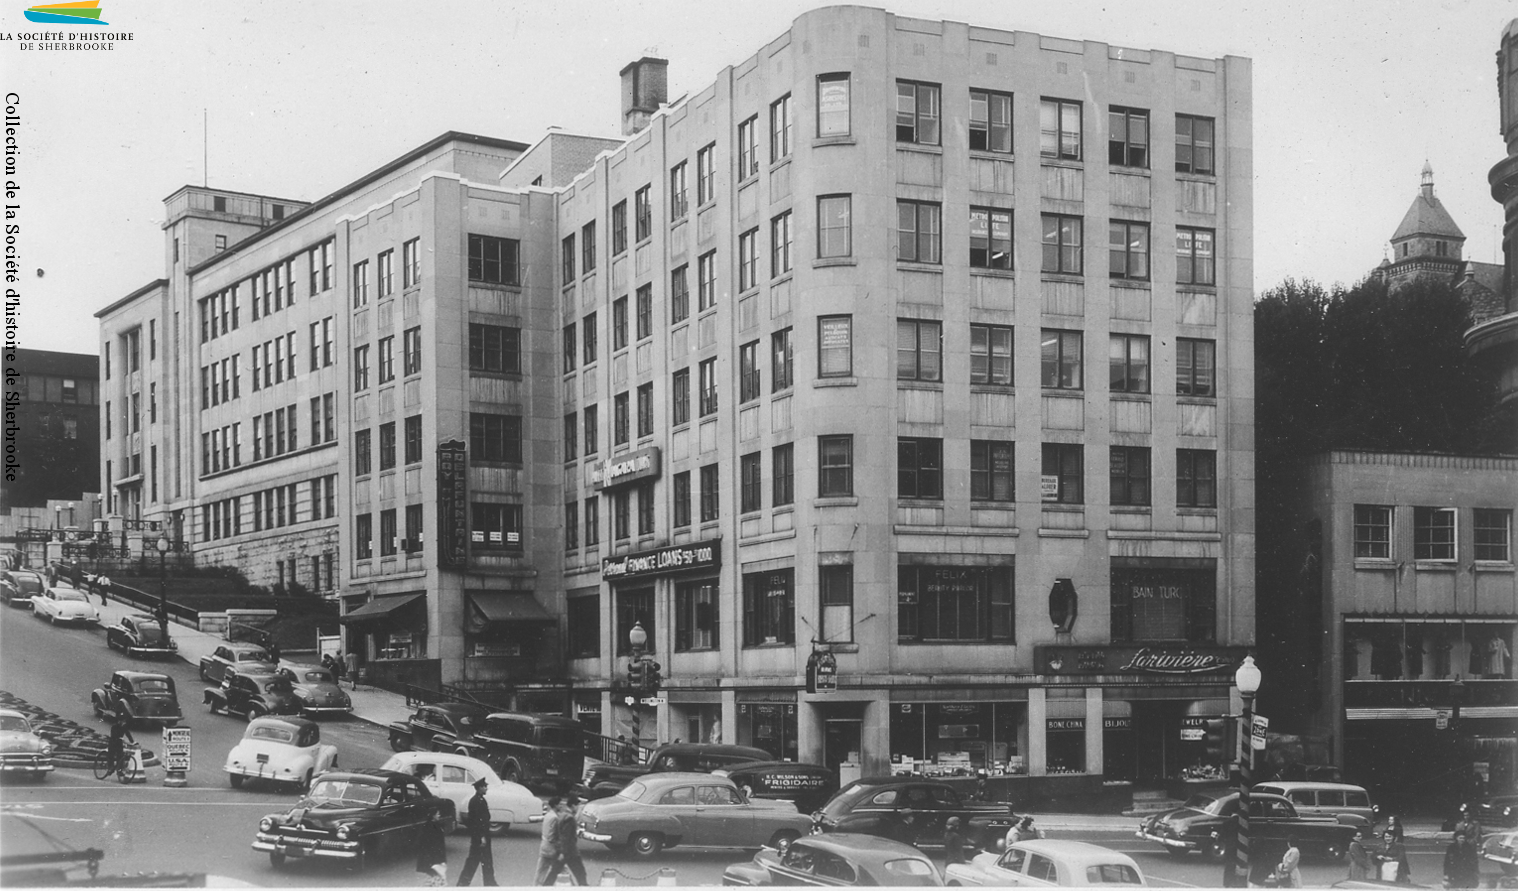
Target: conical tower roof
<point x="1427" y="216"/>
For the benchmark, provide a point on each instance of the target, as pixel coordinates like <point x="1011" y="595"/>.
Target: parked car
<point x="1496" y="812"/>
<point x="252" y="691"/>
<point x="64" y="605"/>
<point x="283" y="750"/>
<point x="1206" y="823"/>
<point x="1501" y="848"/>
<point x="453" y="777"/>
<point x="808" y="785"/>
<point x="1040" y="862"/>
<point x="19" y="586"/>
<point x="1342" y="801"/>
<point x="226" y="656"/>
<point x="531" y="749"/>
<point x="22" y="752"/>
<point x="140" y="635"/>
<point x="608" y="779"/>
<point x="441" y="727"/>
<point x="317" y="690"/>
<point x="350" y="815"/>
<point x="142" y="696"/>
<point x="677" y="808"/>
<point x="840" y="859"/>
<point x="913" y="810"/>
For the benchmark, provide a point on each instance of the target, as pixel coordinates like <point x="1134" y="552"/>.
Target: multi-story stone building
<point x="817" y="364"/>
<point x="52" y="451"/>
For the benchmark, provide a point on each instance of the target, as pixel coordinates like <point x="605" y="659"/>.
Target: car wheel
<point x="783" y="837"/>
<point x="254" y="713"/>
<point x="276" y="859"/>
<point x="511" y="773"/>
<point x="1216" y="850"/>
<point x="397" y="744"/>
<point x="646" y="844"/>
<point x="204" y="675"/>
<point x="236" y="780"/>
<point x="499" y="828"/>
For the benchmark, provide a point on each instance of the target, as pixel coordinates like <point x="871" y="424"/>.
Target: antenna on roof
<point x="205" y="147"/>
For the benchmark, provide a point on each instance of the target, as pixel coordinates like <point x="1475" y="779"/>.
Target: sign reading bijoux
<point x="625" y="468"/>
<point x="1163" y="660"/>
<point x="675" y="558"/>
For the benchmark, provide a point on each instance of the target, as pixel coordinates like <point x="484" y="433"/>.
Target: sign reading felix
<point x="452" y="503"/>
<point x="676" y="558"/>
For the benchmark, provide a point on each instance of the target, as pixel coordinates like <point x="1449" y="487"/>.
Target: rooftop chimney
<point x="645" y="87"/>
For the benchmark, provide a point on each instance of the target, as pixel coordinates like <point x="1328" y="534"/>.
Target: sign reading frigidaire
<point x="452" y="503"/>
<point x="675" y="558"/>
<point x="625" y="468"/>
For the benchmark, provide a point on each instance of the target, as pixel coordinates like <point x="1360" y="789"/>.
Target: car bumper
<point x="1507" y="856"/>
<point x="33" y="766"/>
<point x="1169" y="841"/>
<point x="314" y="711"/>
<point x="75" y="620"/>
<point x="306" y="847"/>
<point x="586" y="834"/>
<point x="140" y="650"/>
<point x="263" y="772"/>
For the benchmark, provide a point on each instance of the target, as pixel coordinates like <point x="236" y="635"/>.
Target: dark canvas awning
<point x="381" y="608"/>
<point x="487" y="608"/>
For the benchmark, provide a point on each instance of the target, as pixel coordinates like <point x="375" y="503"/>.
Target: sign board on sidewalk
<point x="176" y="748"/>
<point x="1441" y="719"/>
<point x="1257" y="732"/>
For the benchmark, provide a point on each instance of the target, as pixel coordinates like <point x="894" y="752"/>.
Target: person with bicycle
<point x="120" y="735"/>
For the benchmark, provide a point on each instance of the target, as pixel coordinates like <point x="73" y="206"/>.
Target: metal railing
<point x="615" y="751"/>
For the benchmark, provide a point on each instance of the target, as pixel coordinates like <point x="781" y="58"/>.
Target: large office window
<point x="588" y="339"/>
<point x="1128" y="359"/>
<point x="711" y="482"/>
<point x="990" y="121"/>
<point x="618" y="228"/>
<point x="783" y="474"/>
<point x="645" y="410"/>
<point x="592" y="415"/>
<point x="1196" y="478"/>
<point x="621" y="421"/>
<point x="748" y="260"/>
<point x="1128" y="250"/>
<point x="991" y="470"/>
<point x="386" y="445"/>
<point x="679" y="294"/>
<point x="706" y="175"/>
<point x="696" y="625"/>
<point x="1060" y="359"/>
<point x="619" y="324"/>
<point x="645" y="312"/>
<point x="836" y="600"/>
<point x="680" y="498"/>
<point x="991" y="355"/>
<point x="588" y="247"/>
<point x="679" y="198"/>
<point x="919" y="231"/>
<point x="707" y="378"/>
<point x="1493" y="534"/>
<point x="413" y="430"/>
<point x="748" y="372"/>
<point x="832" y="105"/>
<point x="835" y="466"/>
<point x="571" y="348"/>
<point x="1195" y="367"/>
<point x="1063" y="237"/>
<point x="706" y="281"/>
<point x="1130" y="475"/>
<point x="567" y="259"/>
<point x="1059" y="122"/>
<point x="493" y="260"/>
<point x="990" y="238"/>
<point x="919" y="350"/>
<point x="1063" y="473"/>
<point x="780" y="128"/>
<point x="748" y="147"/>
<point x="1193" y="144"/>
<point x="919" y="467"/>
<point x="495" y="526"/>
<point x="769" y="608"/>
<point x="1434" y="533"/>
<point x="917" y="112"/>
<point x="1127" y="137"/>
<point x="1373" y="528"/>
<point x="679" y="398"/>
<point x="751" y="481"/>
<point x="782" y="368"/>
<point x="498" y="349"/>
<point x="834" y="226"/>
<point x="1194" y="261"/>
<point x="954" y="603"/>
<point x="643" y="214"/>
<point x="835" y="346"/>
<point x="495" y="437"/>
<point x="780" y="245"/>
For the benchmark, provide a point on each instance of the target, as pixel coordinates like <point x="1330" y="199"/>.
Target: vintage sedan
<point x="252" y="690"/>
<point x="22" y="752"/>
<point x="141" y="696"/>
<point x="1206" y="823"/>
<point x="913" y="810"/>
<point x="1496" y="812"/>
<point x="441" y="727"/>
<point x="1501" y="848"/>
<point x="65" y="605"/>
<point x="18" y="587"/>
<point x="317" y="690"/>
<point x="350" y="815"/>
<point x="139" y="634"/>
<point x="809" y="785"/>
<point x="228" y="656"/>
<point x="838" y="859"/>
<point x="699" y="809"/>
<point x="1041" y="862"/>
<point x="283" y="750"/>
<point x="453" y="777"/>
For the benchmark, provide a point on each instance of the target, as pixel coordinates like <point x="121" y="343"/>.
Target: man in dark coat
<point x="1462" y="869"/>
<point x="432" y="851"/>
<point x="569" y="835"/>
<point x="954" y="842"/>
<point x="478" y="822"/>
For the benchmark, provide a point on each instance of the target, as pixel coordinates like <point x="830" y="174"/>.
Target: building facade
<point x="53" y="430"/>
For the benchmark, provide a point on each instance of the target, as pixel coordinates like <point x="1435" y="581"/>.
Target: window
<point x="493" y="260"/>
<point x="592" y="521"/>
<point x="361" y="284"/>
<point x="748" y="260"/>
<point x="836" y="596"/>
<point x="386" y="446"/>
<point x="680" y="510"/>
<point x="710" y="481"/>
<point x="780" y="245"/>
<point x="496" y="349"/>
<point x="584" y="627"/>
<point x="1062" y="244"/>
<point x="835" y="459"/>
<point x="645" y="312"/>
<point x="386" y="359"/>
<point x="495" y="526"/>
<point x="783" y="472"/>
<point x="411" y="350"/>
<point x="1063" y="473"/>
<point x="706" y="175"/>
<point x="748" y="148"/>
<point x="782" y="369"/>
<point x="1196" y="478"/>
<point x="387" y="533"/>
<point x="769" y="608"/>
<point x="588" y="326"/>
<point x="361" y="456"/>
<point x="1194" y="263"/>
<point x="571" y="348"/>
<point x="954" y="603"/>
<point x="990" y="238"/>
<point x="919" y="232"/>
<point x="363" y="534"/>
<point x="621" y="421"/>
<point x="621" y="515"/>
<point x="919" y="467"/>
<point x="991" y="472"/>
<point x="495" y="437"/>
<point x="679" y="295"/>
<point x="221" y="243"/>
<point x="1195" y="364"/>
<point x="571" y="436"/>
<point x="1434" y="533"/>
<point x="567" y="259"/>
<point x="588" y="247"/>
<point x="643" y="215"/>
<point x="750" y="493"/>
<point x="748" y="372"/>
<point x="780" y="128"/>
<point x="991" y="355"/>
<point x="592" y="429"/>
<point x="1128" y="250"/>
<point x="917" y="112"/>
<point x="411" y="263"/>
<point x="385" y="274"/>
<point x="1061" y="359"/>
<point x="1373" y="532"/>
<point x="413" y="527"/>
<point x="706" y="281"/>
<point x="1494" y="534"/>
<point x="696" y="616"/>
<point x="1128" y="357"/>
<point x="708" y="386"/>
<point x="680" y="397"/>
<point x="1193" y="144"/>
<point x="835" y="346"/>
<point x="646" y="508"/>
<point x="990" y="121"/>
<point x="678" y="196"/>
<point x="619" y="324"/>
<point x="834" y="226"/>
<point x="618" y="228"/>
<point x="832" y="105"/>
<point x="571" y="538"/>
<point x="645" y="410"/>
<point x="1059" y="123"/>
<point x="414" y="439"/>
<point x="919" y="350"/>
<point x="1127" y="137"/>
<point x="1130" y="475"/>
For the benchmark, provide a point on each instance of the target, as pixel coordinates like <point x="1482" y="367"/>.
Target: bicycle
<point x="124" y="768"/>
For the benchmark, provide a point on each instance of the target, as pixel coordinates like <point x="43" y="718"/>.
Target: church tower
<point x="1427" y="243"/>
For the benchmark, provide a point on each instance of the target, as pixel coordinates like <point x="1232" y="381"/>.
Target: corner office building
<point x="925" y="345"/>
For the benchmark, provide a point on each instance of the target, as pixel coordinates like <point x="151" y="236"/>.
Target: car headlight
<point x="342" y="831"/>
<point x="266" y="824"/>
<point x="47" y="750"/>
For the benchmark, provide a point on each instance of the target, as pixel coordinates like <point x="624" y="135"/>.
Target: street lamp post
<point x="639" y="640"/>
<point x="163" y="585"/>
<point x="1247" y="679"/>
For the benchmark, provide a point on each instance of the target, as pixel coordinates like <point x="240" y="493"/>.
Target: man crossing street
<point x="478" y="822"/>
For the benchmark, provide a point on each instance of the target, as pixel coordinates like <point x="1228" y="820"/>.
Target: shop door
<point x="1156" y="736"/>
<point x="840" y="742"/>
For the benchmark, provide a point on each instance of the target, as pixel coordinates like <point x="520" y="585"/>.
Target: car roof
<point x="11" y="713"/>
<point x="1075" y="853"/>
<point x="676" y="777"/>
<point x="451" y="758"/>
<point x="556" y="720"/>
<point x="292" y="722"/>
<point x="1310" y="785"/>
<point x="245" y="647"/>
<point x="256" y="670"/>
<point x="712" y="748"/>
<point x="131" y="675"/>
<point x="370" y="775"/>
<point x="858" y="842"/>
<point x="459" y="708"/>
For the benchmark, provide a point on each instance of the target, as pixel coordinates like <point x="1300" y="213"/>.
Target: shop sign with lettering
<point x="822" y="673"/>
<point x="1159" y="660"/>
<point x="676" y="558"/>
<point x="1117" y="723"/>
<point x="1065" y="723"/>
<point x="452" y="503"/>
<point x="626" y="468"/>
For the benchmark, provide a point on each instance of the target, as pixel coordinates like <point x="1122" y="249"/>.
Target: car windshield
<point x="154" y="685"/>
<point x="14" y="724"/>
<point x="251" y="656"/>
<point x="68" y="594"/>
<point x="278" y="685"/>
<point x="343" y="792"/>
<point x="845" y="800"/>
<point x="272" y="731"/>
<point x="1204" y="803"/>
<point x="29" y="584"/>
<point x="633" y="791"/>
<point x="148" y="633"/>
<point x="1112" y="874"/>
<point x="911" y="872"/>
<point x="559" y="737"/>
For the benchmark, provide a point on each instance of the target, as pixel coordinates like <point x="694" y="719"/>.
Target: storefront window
<point x="400" y="645"/>
<point x="949" y="738"/>
<point x="1117" y="748"/>
<point x="1164" y="600"/>
<point x="1065" y="742"/>
<point x="770" y="726"/>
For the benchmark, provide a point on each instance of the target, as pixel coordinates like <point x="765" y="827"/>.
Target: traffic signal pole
<point x="1237" y="872"/>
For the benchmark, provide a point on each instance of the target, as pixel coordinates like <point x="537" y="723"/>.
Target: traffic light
<point x="635" y="675"/>
<point x="651" y="677"/>
<point x="1217" y="741"/>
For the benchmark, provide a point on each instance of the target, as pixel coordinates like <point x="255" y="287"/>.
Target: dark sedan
<point x="840" y="859"/>
<point x="912" y="810"/>
<point x="351" y="815"/>
<point x="18" y="587"/>
<point x="253" y="692"/>
<point x="1207" y="823"/>
<point x="1496" y="812"/>
<point x="317" y="690"/>
<point x="441" y="727"/>
<point x="662" y="810"/>
<point x="140" y="635"/>
<point x="228" y="657"/>
<point x="143" y="696"/>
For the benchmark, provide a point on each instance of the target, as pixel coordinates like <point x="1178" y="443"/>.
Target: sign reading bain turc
<point x="675" y="558"/>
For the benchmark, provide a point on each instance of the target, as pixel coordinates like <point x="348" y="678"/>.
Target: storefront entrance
<point x="841" y="740"/>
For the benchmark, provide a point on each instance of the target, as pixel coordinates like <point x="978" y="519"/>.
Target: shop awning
<point x="381" y="608"/>
<point x="504" y="607"/>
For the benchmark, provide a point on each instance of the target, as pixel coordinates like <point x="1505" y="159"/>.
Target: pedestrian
<point x="1462" y="869"/>
<point x="982" y="785"/>
<point x="1394" y="851"/>
<point x="550" y="849"/>
<point x="121" y="734"/>
<point x="271" y="646"/>
<point x="432" y="852"/>
<point x="103" y="586"/>
<point x="478" y="822"/>
<point x="351" y="664"/>
<point x="1362" y="866"/>
<point x="76" y="577"/>
<point x="1022" y="830"/>
<point x="954" y="843"/>
<point x="1469" y="825"/>
<point x="339" y="668"/>
<point x="569" y="838"/>
<point x="1288" y="873"/>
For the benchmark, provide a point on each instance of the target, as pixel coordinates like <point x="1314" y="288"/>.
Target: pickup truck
<point x="1207" y="823"/>
<point x="608" y="779"/>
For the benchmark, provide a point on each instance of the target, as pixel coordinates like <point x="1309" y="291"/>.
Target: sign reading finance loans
<point x="625" y="468"/>
<point x="452" y="503"/>
<point x="676" y="558"/>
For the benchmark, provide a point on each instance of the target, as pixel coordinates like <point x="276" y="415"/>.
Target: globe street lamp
<point x="639" y="640"/>
<point x="1247" y="679"/>
<point x="163" y="585"/>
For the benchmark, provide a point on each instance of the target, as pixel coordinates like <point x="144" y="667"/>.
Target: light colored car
<point x="1501" y="848"/>
<point x="284" y="750"/>
<point x="248" y="658"/>
<point x="1042" y="862"/>
<point x="836" y="860"/>
<point x="317" y="690"/>
<point x="1347" y="803"/>
<point x="65" y="605"/>
<point x="452" y="776"/>
<point x="661" y="810"/>
<point x="22" y="752"/>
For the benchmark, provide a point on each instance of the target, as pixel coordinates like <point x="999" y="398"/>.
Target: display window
<point x="1065" y="745"/>
<point x="958" y="738"/>
<point x="770" y="726"/>
<point x="1118" y="752"/>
